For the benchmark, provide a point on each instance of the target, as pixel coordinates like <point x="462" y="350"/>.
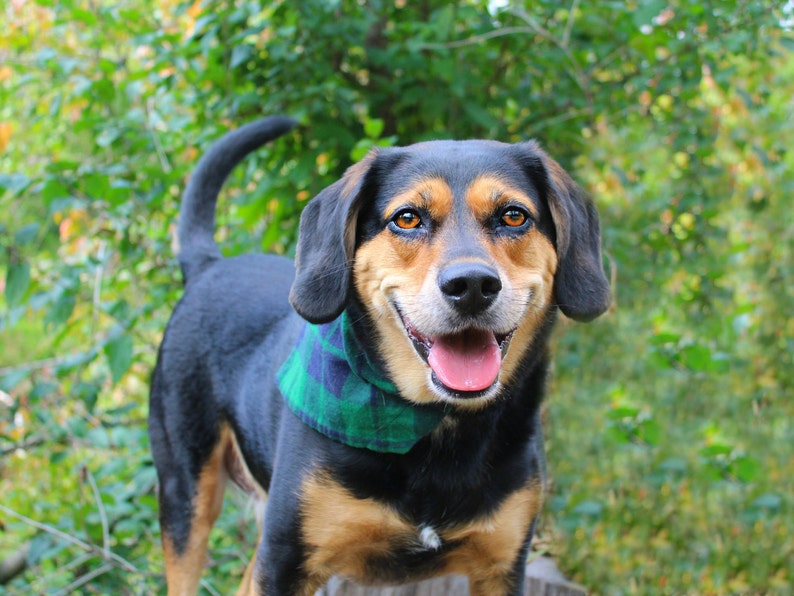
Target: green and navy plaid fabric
<point x="331" y="385"/>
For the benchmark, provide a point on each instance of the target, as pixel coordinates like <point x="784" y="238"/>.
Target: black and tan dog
<point x="383" y="393"/>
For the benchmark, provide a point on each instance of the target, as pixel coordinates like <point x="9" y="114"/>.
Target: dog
<point x="383" y="392"/>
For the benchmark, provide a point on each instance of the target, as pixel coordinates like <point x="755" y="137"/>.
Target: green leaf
<point x="660" y="339"/>
<point x="361" y="149"/>
<point x="39" y="545"/>
<point x="13" y="378"/>
<point x="26" y="234"/>
<point x="373" y="127"/>
<point x="240" y="54"/>
<point x="54" y="189"/>
<point x="75" y="360"/>
<point x="58" y="456"/>
<point x="675" y="465"/>
<point x="14" y="182"/>
<point x="96" y="185"/>
<point x="716" y="449"/>
<point x="119" y="355"/>
<point x="769" y="501"/>
<point x="61" y="309"/>
<point x="85" y="16"/>
<point x="696" y="358"/>
<point x="650" y="431"/>
<point x="622" y="411"/>
<point x="787" y="42"/>
<point x="589" y="508"/>
<point x="203" y="21"/>
<point x="745" y="468"/>
<point x="42" y="389"/>
<point x="88" y="393"/>
<point x="17" y="283"/>
<point x="108" y="136"/>
<point x="615" y="434"/>
<point x="479" y="115"/>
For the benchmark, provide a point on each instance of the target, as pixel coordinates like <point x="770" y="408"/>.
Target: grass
<point x="695" y="503"/>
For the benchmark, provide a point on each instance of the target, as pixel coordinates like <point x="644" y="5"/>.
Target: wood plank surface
<point x="543" y="579"/>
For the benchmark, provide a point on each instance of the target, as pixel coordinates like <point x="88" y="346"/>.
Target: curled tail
<point x="196" y="230"/>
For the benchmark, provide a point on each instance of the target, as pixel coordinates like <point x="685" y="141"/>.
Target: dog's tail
<point x="195" y="233"/>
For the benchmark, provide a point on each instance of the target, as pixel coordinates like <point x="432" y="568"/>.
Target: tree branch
<point x="84" y="579"/>
<point x="474" y="39"/>
<point x="101" y="507"/>
<point x="92" y="548"/>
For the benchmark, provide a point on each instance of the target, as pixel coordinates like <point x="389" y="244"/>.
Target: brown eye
<point x="514" y="217"/>
<point x="407" y="220"/>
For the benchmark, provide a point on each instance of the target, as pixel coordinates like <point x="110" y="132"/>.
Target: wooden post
<point x="542" y="579"/>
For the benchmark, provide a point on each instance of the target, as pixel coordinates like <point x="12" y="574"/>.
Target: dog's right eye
<point x="513" y="217"/>
<point x="407" y="219"/>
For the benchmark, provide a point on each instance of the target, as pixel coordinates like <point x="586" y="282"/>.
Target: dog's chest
<point x="369" y="542"/>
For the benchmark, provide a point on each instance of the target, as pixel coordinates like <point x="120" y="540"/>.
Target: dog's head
<point x="459" y="252"/>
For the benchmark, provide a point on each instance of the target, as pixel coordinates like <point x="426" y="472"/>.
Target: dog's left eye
<point x="513" y="217"/>
<point x="407" y="219"/>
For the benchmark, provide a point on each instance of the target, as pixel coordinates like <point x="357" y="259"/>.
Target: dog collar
<point x="331" y="385"/>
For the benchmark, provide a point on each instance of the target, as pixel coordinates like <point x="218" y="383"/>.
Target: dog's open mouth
<point x="467" y="363"/>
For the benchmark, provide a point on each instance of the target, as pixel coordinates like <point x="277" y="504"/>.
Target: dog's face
<point x="454" y="267"/>
<point x="459" y="252"/>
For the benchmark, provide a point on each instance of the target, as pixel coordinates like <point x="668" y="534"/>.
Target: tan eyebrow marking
<point x="432" y="194"/>
<point x="487" y="193"/>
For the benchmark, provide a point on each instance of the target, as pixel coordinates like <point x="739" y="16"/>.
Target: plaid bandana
<point x="331" y="385"/>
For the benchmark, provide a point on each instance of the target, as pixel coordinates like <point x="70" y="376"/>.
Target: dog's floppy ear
<point x="581" y="289"/>
<point x="326" y="244"/>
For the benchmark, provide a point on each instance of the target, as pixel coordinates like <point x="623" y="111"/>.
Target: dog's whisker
<point x="333" y="271"/>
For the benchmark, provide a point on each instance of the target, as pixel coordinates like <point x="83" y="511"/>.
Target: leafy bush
<point x="670" y="430"/>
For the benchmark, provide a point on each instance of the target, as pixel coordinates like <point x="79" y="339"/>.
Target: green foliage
<point x="670" y="428"/>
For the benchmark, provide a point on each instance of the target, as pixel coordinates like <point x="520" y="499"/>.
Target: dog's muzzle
<point x="465" y="364"/>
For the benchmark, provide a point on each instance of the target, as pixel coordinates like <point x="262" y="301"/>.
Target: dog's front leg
<point x="278" y="570"/>
<point x="499" y="582"/>
<point x="501" y="578"/>
<point x="280" y="566"/>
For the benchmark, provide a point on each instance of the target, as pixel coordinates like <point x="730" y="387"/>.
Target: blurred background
<point x="669" y="420"/>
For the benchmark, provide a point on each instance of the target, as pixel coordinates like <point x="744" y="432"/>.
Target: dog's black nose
<point x="470" y="287"/>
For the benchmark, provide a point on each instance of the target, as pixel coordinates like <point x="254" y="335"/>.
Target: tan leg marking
<point x="490" y="545"/>
<point x="343" y="532"/>
<point x="183" y="571"/>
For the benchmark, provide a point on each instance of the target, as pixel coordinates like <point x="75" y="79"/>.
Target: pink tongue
<point x="468" y="361"/>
